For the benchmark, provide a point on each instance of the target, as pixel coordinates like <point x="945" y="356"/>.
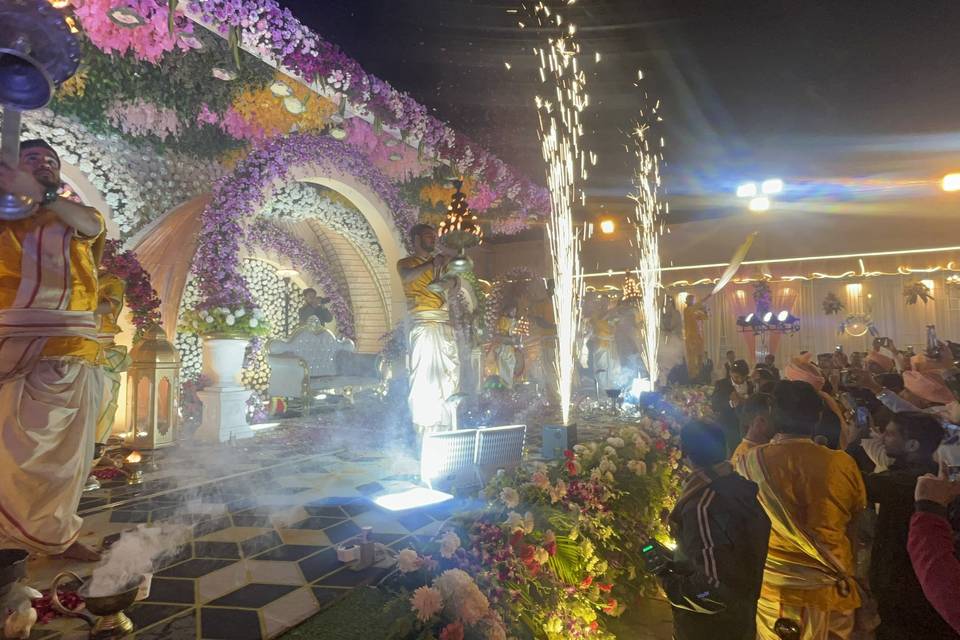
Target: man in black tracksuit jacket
<point x="713" y="581"/>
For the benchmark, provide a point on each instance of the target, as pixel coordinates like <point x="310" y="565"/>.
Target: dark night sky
<point x="747" y="87"/>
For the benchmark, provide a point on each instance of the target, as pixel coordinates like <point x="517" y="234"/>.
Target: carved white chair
<point x="313" y="361"/>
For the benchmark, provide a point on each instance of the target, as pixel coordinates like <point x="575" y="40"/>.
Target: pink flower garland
<point x="148" y="41"/>
<point x="139" y="295"/>
<point x="140" y="118"/>
<point x="407" y="163"/>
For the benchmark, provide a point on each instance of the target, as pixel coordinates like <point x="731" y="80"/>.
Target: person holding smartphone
<point x="910" y="440"/>
<point x="713" y="580"/>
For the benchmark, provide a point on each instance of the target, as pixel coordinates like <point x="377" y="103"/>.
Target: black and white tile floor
<point x="262" y="554"/>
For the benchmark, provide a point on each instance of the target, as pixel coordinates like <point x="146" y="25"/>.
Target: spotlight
<point x="767" y="317"/>
<point x="747" y="190"/>
<point x="772" y="186"/>
<point x="749" y="318"/>
<point x="411" y="499"/>
<point x="607" y="226"/>
<point x="783" y="316"/>
<point x="759" y="204"/>
<point x="951" y="182"/>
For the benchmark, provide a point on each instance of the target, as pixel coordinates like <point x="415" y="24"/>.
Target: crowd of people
<point x="820" y="503"/>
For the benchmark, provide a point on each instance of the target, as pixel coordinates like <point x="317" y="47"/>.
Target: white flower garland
<point x="267" y="288"/>
<point x="139" y="186"/>
<point x="299" y="201"/>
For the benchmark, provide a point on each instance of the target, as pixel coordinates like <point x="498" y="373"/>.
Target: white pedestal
<point x="224" y="414"/>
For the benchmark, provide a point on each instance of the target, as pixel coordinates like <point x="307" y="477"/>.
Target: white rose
<point x="208" y="319"/>
<point x="239" y="313"/>
<point x="407" y="561"/>
<point x="253" y="323"/>
<point x="230" y="320"/>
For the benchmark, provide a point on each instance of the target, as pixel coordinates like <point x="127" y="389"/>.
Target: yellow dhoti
<point x="434" y="367"/>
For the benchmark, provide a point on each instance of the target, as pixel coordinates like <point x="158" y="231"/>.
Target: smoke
<point x="134" y="554"/>
<point x="671" y="354"/>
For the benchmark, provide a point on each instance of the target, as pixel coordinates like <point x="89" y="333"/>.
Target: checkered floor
<point x="265" y="525"/>
<point x="265" y="517"/>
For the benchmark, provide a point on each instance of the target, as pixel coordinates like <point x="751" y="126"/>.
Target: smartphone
<point x="655" y="554"/>
<point x="862" y="417"/>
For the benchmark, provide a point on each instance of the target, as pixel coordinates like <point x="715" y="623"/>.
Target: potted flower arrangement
<point x="226" y="331"/>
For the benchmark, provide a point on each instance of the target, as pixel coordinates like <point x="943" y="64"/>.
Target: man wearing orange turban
<point x="802" y="369"/>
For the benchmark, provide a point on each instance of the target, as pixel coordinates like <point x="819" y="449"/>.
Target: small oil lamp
<point x="132" y="465"/>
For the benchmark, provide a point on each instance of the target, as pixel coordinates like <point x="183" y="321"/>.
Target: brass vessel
<point x="104" y="614"/>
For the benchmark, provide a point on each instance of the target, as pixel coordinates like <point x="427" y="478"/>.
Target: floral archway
<point x="239" y="197"/>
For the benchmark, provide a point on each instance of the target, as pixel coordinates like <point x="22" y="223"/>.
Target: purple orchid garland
<point x="238" y="197"/>
<point x="273" y="31"/>
<point x="269" y="236"/>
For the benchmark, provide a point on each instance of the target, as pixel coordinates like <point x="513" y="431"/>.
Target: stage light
<point x="951" y="182"/>
<point x="607" y="226"/>
<point x="768" y="316"/>
<point x="772" y="186"/>
<point x="747" y="190"/>
<point x="749" y="318"/>
<point x="783" y="316"/>
<point x="411" y="499"/>
<point x="759" y="204"/>
<point x="263" y="426"/>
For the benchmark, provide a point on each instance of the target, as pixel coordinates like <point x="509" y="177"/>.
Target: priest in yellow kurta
<point x="694" y="315"/>
<point x="115" y="356"/>
<point x="50" y="379"/>
<point x="433" y="361"/>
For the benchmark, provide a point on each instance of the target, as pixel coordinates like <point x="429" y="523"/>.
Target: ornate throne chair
<point x="313" y="361"/>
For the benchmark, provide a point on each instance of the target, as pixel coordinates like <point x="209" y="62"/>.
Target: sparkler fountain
<point x="649" y="211"/>
<point x="560" y="132"/>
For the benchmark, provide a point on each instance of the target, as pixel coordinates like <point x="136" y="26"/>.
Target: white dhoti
<point x="434" y="367"/>
<point x="49" y="405"/>
<point x="506" y="363"/>
<point x="47" y="439"/>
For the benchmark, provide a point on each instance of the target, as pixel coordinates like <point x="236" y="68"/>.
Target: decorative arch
<point x="207" y="233"/>
<point x="303" y="158"/>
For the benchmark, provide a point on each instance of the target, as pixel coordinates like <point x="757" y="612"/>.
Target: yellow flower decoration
<point x="231" y="158"/>
<point x="438" y="193"/>
<point x="75" y="85"/>
<point x="268" y="110"/>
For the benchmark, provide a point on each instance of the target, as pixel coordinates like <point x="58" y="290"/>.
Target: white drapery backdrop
<point x="880" y="296"/>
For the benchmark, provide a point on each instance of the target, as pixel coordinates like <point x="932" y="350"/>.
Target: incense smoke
<point x="134" y="554"/>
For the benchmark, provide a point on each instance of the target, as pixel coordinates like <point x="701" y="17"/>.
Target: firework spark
<point x="649" y="211"/>
<point x="560" y="132"/>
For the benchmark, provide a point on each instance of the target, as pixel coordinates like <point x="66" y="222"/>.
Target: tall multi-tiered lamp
<point x="460" y="230"/>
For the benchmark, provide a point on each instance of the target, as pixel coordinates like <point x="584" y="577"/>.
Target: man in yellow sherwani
<point x="115" y="356"/>
<point x="433" y="361"/>
<point x="50" y="380"/>
<point x="812" y="495"/>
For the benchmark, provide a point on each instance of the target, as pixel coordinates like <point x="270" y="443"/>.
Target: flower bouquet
<point x="241" y="321"/>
